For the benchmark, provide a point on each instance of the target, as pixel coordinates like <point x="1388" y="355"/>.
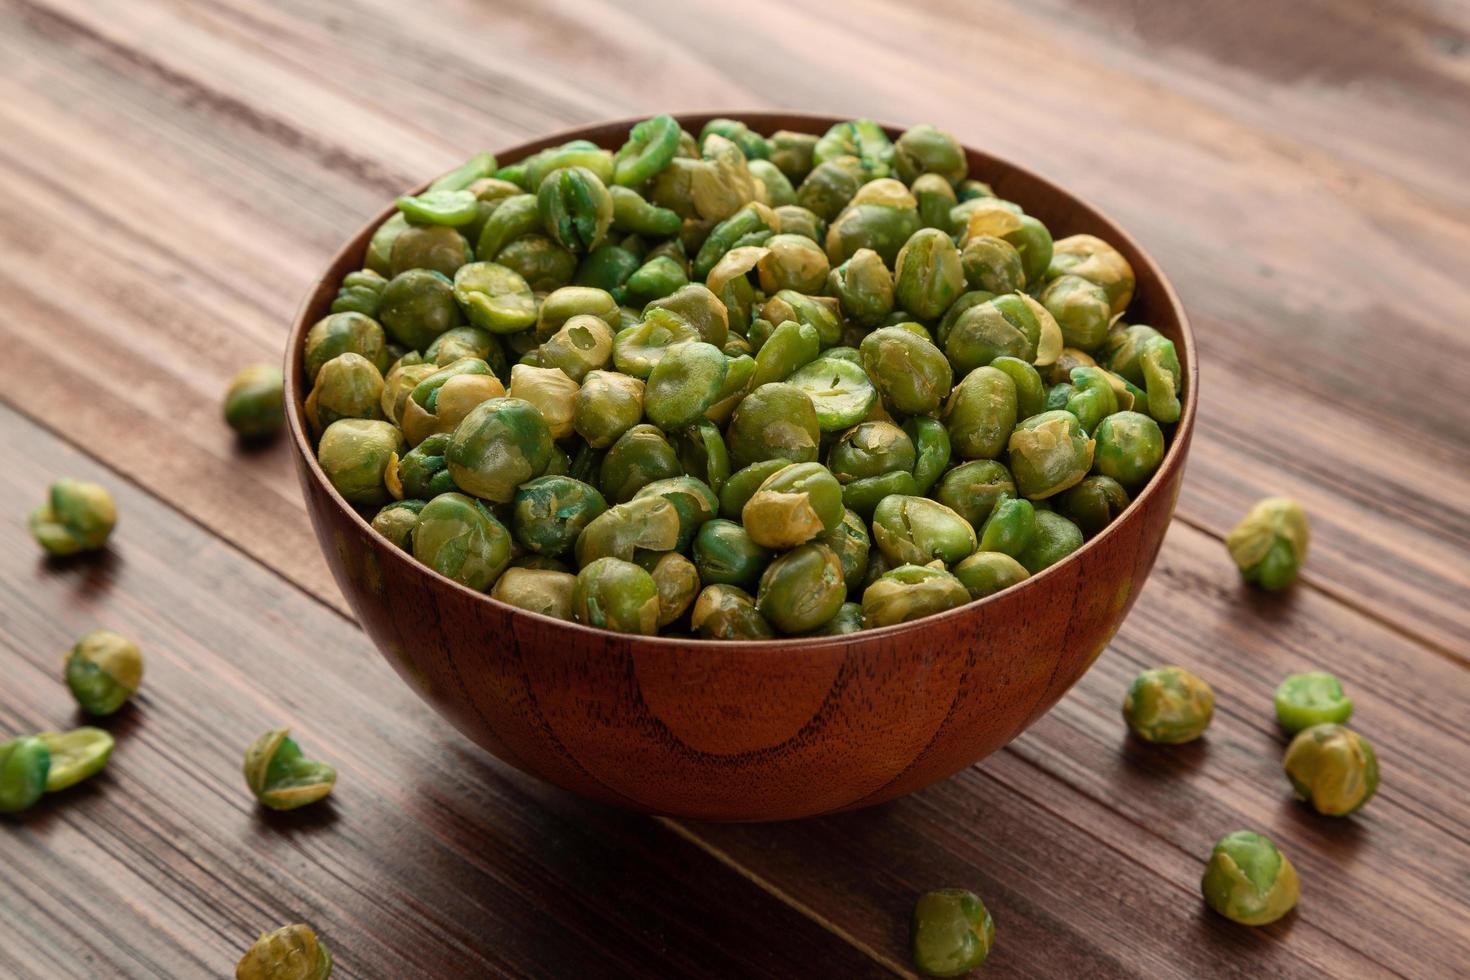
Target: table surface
<point x="172" y="176"/>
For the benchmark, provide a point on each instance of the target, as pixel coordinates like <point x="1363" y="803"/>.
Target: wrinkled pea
<point x="500" y="444"/>
<point x="792" y="506"/>
<point x="952" y="932"/>
<point x="677" y="582"/>
<point x="1248" y="880"/>
<point x="397" y="520"/>
<point x="642" y="524"/>
<point x="1168" y="705"/>
<point x="1332" y="768"/>
<point x="727" y="612"/>
<point x="103" y="671"/>
<point x="347" y="387"/>
<point x="280" y="777"/>
<point x="639" y="457"/>
<point x="988" y="572"/>
<point x="774" y="420"/>
<point x="973" y="489"/>
<point x="458" y="537"/>
<point x="801" y="590"/>
<point x="917" y="530"/>
<point x="549" y="513"/>
<point x="355" y="455"/>
<point x="1130" y="447"/>
<point x="616" y="595"/>
<point x="77" y="516"/>
<point x="910" y="592"/>
<point x="1054" y="538"/>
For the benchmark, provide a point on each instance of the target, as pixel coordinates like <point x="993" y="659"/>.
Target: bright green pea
<point x="25" y="764"/>
<point x="575" y="208"/>
<point x="1055" y="538"/>
<point x="928" y="275"/>
<point x="933" y="448"/>
<point x="439" y="207"/>
<point x="988" y="572"/>
<point x="791" y="346"/>
<point x="1010" y="527"/>
<point x="494" y="297"/>
<point x="75" y="755"/>
<point x="1130" y="447"/>
<point x="1081" y="309"/>
<point x="396" y="521"/>
<point x="684" y="383"/>
<point x="743" y="483"/>
<point x="1249" y="881"/>
<point x="1049" y="453"/>
<point x="651" y="144"/>
<point x="1313" y="698"/>
<point x="1093" y="504"/>
<point x="355" y="455"/>
<point x="917" y="530"/>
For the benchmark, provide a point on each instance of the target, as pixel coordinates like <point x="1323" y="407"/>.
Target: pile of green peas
<point x="735" y="386"/>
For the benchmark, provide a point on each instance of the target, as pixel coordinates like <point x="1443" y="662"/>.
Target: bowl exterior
<point x="754" y="731"/>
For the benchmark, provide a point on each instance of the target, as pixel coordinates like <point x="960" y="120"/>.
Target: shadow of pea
<point x="306" y="821"/>
<point x="1338" y="837"/>
<point x="95" y="571"/>
<point x="1152" y="760"/>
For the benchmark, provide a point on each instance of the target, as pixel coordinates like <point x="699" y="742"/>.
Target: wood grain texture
<point x="176" y="176"/>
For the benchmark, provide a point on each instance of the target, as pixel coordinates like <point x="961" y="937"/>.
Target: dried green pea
<point x="494" y="297"/>
<point x="77" y="516"/>
<point x="981" y="412"/>
<point x="1010" y="526"/>
<point x="933" y="448"/>
<point x="458" y="537"/>
<point x="1248" y="880"/>
<point x="988" y="572"/>
<point x="1332" y="768"/>
<point x="1055" y="538"/>
<point x="683" y="385"/>
<point x="1168" y="705"/>
<point x="973" y="489"/>
<point x="539" y="590"/>
<point x="677" y="582"/>
<point x="642" y="524"/>
<point x="792" y="506"/>
<point x="928" y="276"/>
<point x="396" y="521"/>
<point x="803" y="589"/>
<point x="727" y="612"/>
<point x="640" y="456"/>
<point x="725" y="554"/>
<point x="871" y="449"/>
<point x="909" y="371"/>
<point x="1130" y="448"/>
<point x="607" y="405"/>
<point x="952" y="932"/>
<point x="910" y="592"/>
<point x="254" y="406"/>
<point x="1313" y="698"/>
<point x="500" y="444"/>
<point x="1093" y="504"/>
<point x="281" y="777"/>
<point x="1049" y="453"/>
<point x="912" y="530"/>
<point x="863" y="286"/>
<point x="435" y="248"/>
<point x="694" y="502"/>
<point x="616" y="595"/>
<point x="774" y="420"/>
<point x="290" y="953"/>
<point x="550" y="512"/>
<point x="347" y="387"/>
<point x="25" y="764"/>
<point x="75" y="755"/>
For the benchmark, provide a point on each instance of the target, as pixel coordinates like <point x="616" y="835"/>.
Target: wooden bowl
<point x="753" y="731"/>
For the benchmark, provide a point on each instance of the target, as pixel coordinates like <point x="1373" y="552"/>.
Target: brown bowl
<point x="753" y="730"/>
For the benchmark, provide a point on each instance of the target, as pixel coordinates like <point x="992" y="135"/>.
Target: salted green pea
<point x="436" y="248"/>
<point x="1332" y="768"/>
<point x="1081" y="309"/>
<point x="882" y="215"/>
<point x="494" y="297"/>
<point x="638" y="348"/>
<point x="790" y="346"/>
<point x="917" y="530"/>
<point x="863" y="286"/>
<point x="355" y="455"/>
<point x="698" y="308"/>
<point x="575" y="208"/>
<point x="675" y="578"/>
<point x="933" y="448"/>
<point x="632" y="213"/>
<point x="1313" y="698"/>
<point x="727" y="612"/>
<point x="695" y="502"/>
<point x="478" y="167"/>
<point x="280" y="777"/>
<point x="642" y="524"/>
<point x="998" y="326"/>
<point x="865" y="494"/>
<point x="980" y="413"/>
<point x="797" y="220"/>
<point x="973" y="489"/>
<point x="928" y="276"/>
<point x="253" y="402"/>
<point x="1049" y="453"/>
<point x="103" y="670"/>
<point x="460" y="342"/>
<point x="1010" y="526"/>
<point x="75" y="756"/>
<point x="457" y="536"/>
<point x="792" y="152"/>
<point x="792" y="262"/>
<point x="848" y="620"/>
<point x="910" y="592"/>
<point x="861" y="138"/>
<point x="416" y="306"/>
<point x="542" y="262"/>
<point x="575" y="153"/>
<point x="871" y="449"/>
<point x="1093" y="504"/>
<point x="702" y="454"/>
<point x="988" y="572"/>
<point x="290" y="953"/>
<point x="617" y="595"/>
<point x="640" y="456"/>
<point x="752" y="225"/>
<point x="1130" y="447"/>
<point x="1248" y="880"/>
<point x="500" y="444"/>
<point x="794" y="505"/>
<point x="1030" y="390"/>
<point x="1168" y="705"/>
<point x="340" y="333"/>
<point x="925" y="149"/>
<point x="441" y="401"/>
<point x="743" y="483"/>
<point x="1093" y="397"/>
<point x="775" y="420"/>
<point x="1162" y="376"/>
<point x="850" y="540"/>
<point x="778" y="189"/>
<point x="684" y="383"/>
<point x="552" y="393"/>
<point x="1096" y="261"/>
<point x="607" y="405"/>
<point x="1055" y="538"/>
<point x="992" y="264"/>
<point x="952" y="932"/>
<point x="651" y="144"/>
<point x="347" y="387"/>
<point x="823" y="313"/>
<point x="540" y="590"/>
<point x="827" y="188"/>
<point x="513" y="218"/>
<point x="802" y="589"/>
<point x="25" y="764"/>
<point x="1124" y="349"/>
<point x="550" y="512"/>
<point x="725" y="554"/>
<point x="658" y="276"/>
<point x="909" y="371"/>
<point x="396" y="521"/>
<point x="583" y="344"/>
<point x="455" y="208"/>
<point x="936" y="197"/>
<point x="77" y="516"/>
<point x="379" y="257"/>
<point x="1033" y="241"/>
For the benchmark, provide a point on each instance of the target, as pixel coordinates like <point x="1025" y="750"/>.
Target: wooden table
<point x="172" y="176"/>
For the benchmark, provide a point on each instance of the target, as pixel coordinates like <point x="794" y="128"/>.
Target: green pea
<point x="1010" y="527"/>
<point x="725" y="554"/>
<point x="779" y="190"/>
<point x="988" y="572"/>
<point x="797" y="220"/>
<point x="727" y="612"/>
<point x="477" y="167"/>
<point x="981" y="413"/>
<point x="500" y="444"/>
<point x="992" y="264"/>
<point x="24" y="765"/>
<point x="651" y="145"/>
<point x="341" y="333"/>
<point x="549" y="512"/>
<point x="103" y="671"/>
<point x="849" y="620"/>
<point x="457" y="343"/>
<point x="1093" y="504"/>
<point x="850" y="540"/>
<point x="791" y="346"/>
<point x="439" y="207"/>
<point x="1130" y="447"/>
<point x="910" y="372"/>
<point x="973" y="489"/>
<point x="1034" y="243"/>
<point x="699" y="309"/>
<point x="441" y="401"/>
<point x="827" y="188"/>
<point x="542" y="262"/>
<point x="792" y="152"/>
<point x="1049" y="453"/>
<point x="617" y="595"/>
<point x="695" y="503"/>
<point x="1030" y="391"/>
<point x="864" y="287"/>
<point x="607" y="405"/>
<point x="916" y="530"/>
<point x="494" y="297"/>
<point x="702" y="454"/>
<point x="1249" y="881"/>
<point x="1081" y="309"/>
<point x="952" y="932"/>
<point x="254" y="407"/>
<point x="743" y="483"/>
<point x="1332" y="768"/>
<point x="677" y="582"/>
<point x="821" y="313"/>
<point x="436" y="248"/>
<point x="802" y="590"/>
<point x="775" y="420"/>
<point x="355" y="455"/>
<point x="865" y="494"/>
<point x="932" y="445"/>
<point x="1055" y="538"/>
<point x="860" y="138"/>
<point x="347" y="387"/>
<point x="292" y="951"/>
<point x="684" y="383"/>
<point x="458" y="537"/>
<point x="882" y="218"/>
<point x="928" y="276"/>
<point x="575" y="153"/>
<point x="794" y="505"/>
<point x="638" y="348"/>
<point x="379" y="255"/>
<point x="576" y="208"/>
<point x="538" y="590"/>
<point x="656" y="278"/>
<point x="77" y="516"/>
<point x="643" y="524"/>
<point x="280" y="777"/>
<point x="1168" y="705"/>
<point x="1269" y="545"/>
<point x="1096" y="261"/>
<point x="75" y="756"/>
<point x="924" y="149"/>
<point x="396" y="521"/>
<point x="910" y="592"/>
<point x="1313" y="698"/>
<point x="640" y="456"/>
<point x="871" y="449"/>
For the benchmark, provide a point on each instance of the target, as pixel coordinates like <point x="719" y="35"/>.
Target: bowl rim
<point x="810" y="122"/>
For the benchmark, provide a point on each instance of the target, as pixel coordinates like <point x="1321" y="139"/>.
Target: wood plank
<point x="429" y="859"/>
<point x="1384" y="480"/>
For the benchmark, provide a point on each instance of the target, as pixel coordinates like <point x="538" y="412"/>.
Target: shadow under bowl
<point x="752" y="731"/>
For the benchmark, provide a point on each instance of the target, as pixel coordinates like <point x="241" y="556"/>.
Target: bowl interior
<point x="1155" y="303"/>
